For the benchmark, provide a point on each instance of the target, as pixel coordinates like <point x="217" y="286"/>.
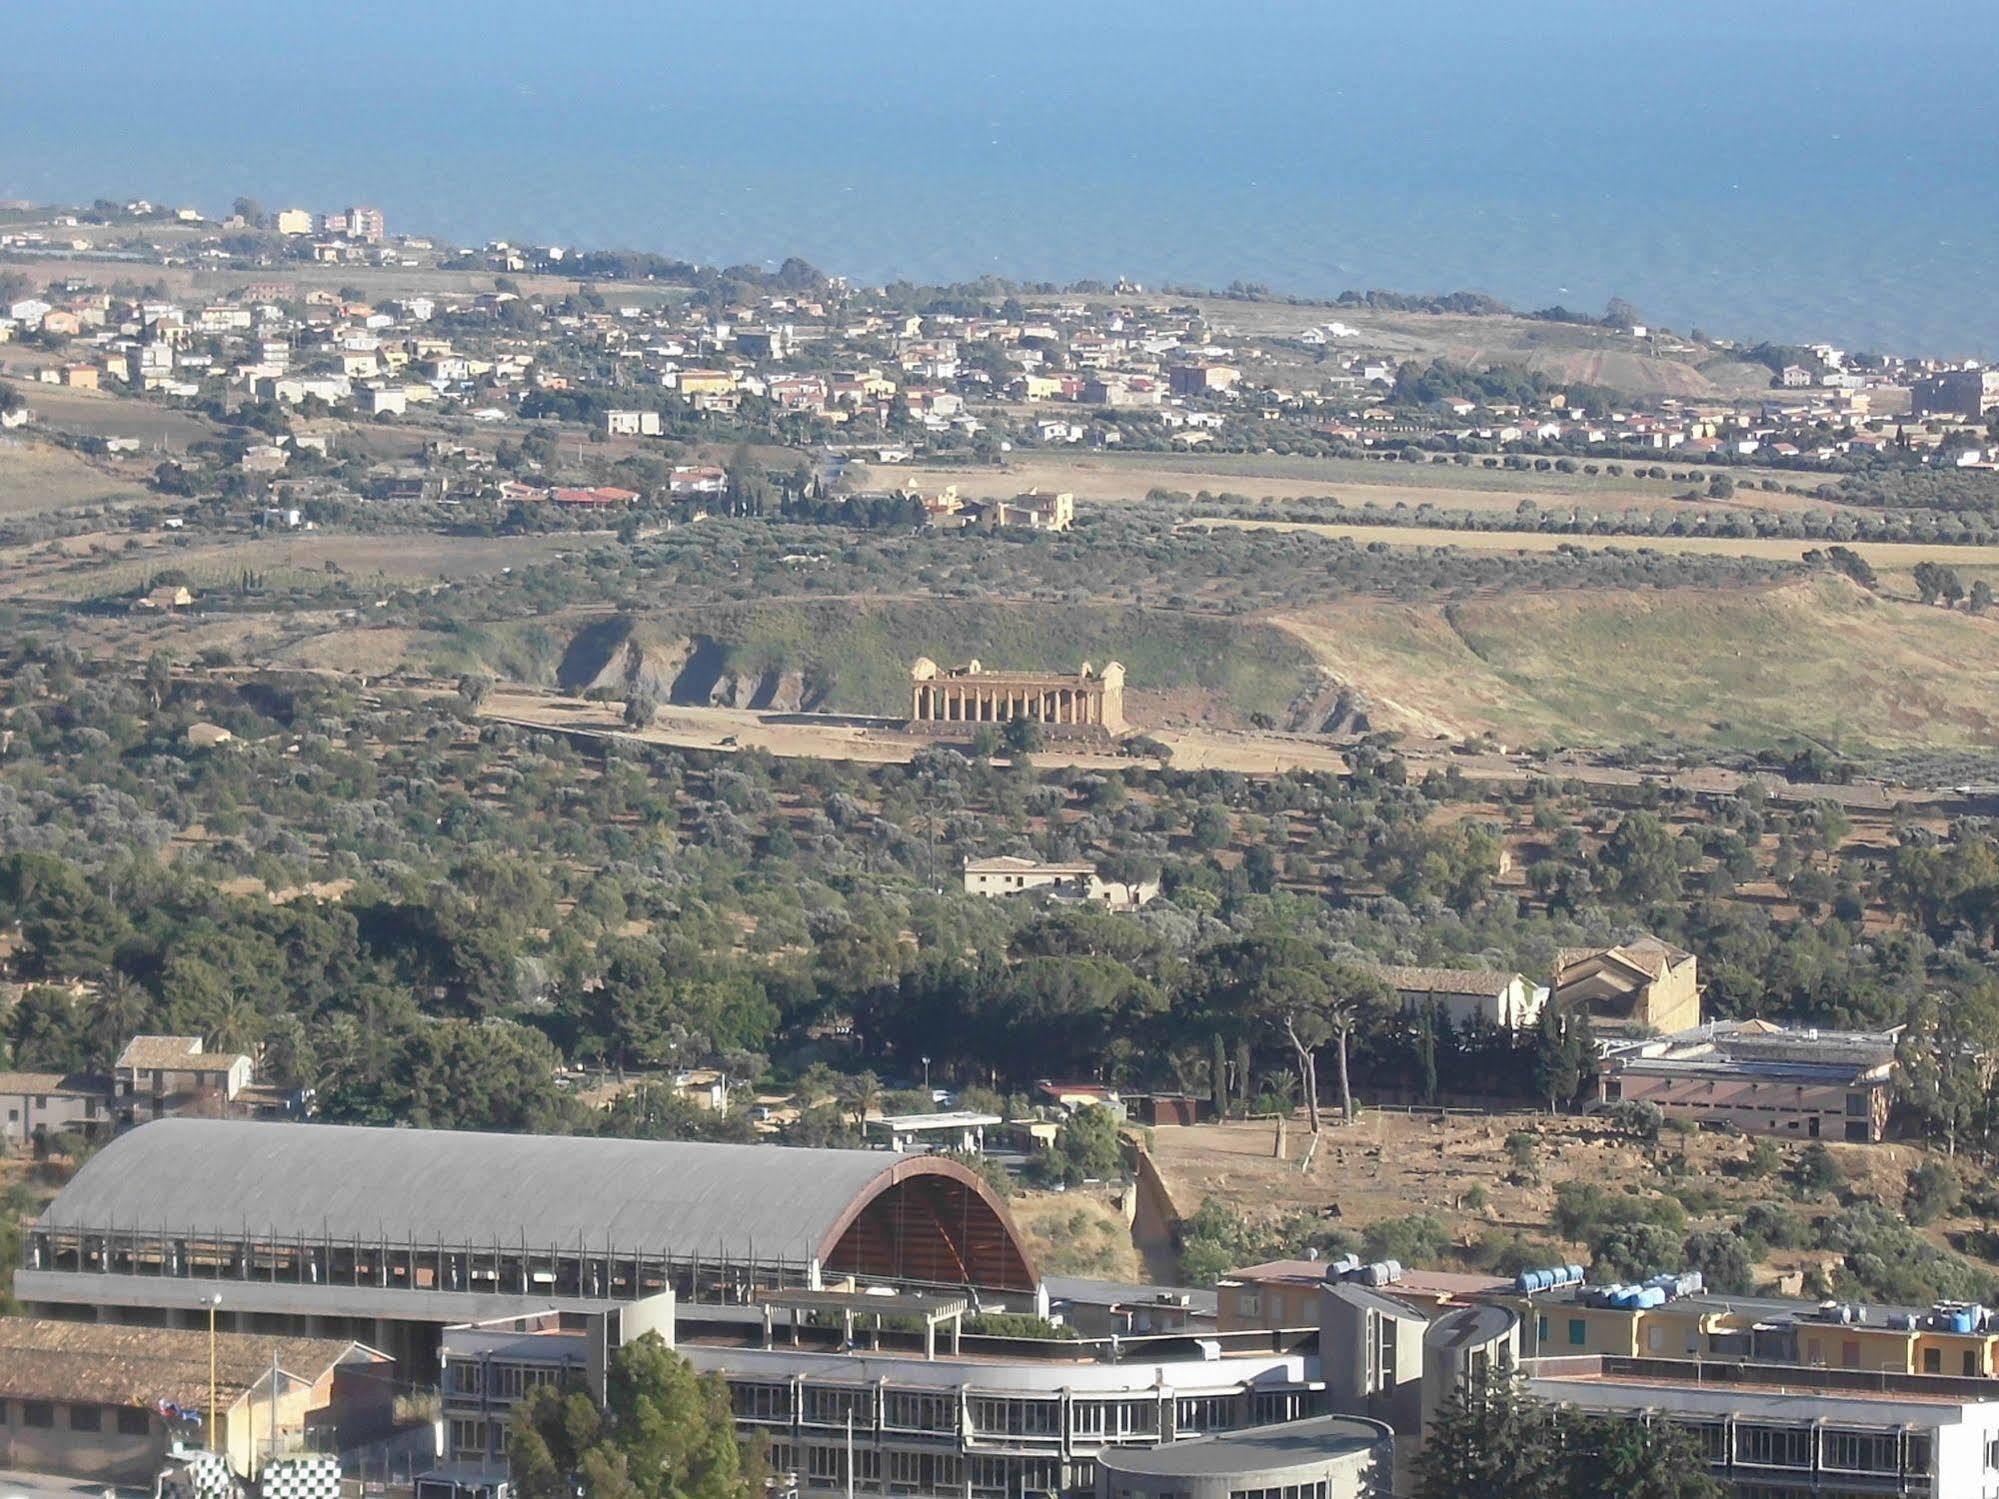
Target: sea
<point x="1785" y="169"/>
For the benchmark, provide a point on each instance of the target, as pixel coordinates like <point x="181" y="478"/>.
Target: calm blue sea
<point x="1784" y="168"/>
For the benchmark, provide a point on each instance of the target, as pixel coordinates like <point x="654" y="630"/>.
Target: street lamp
<point x="213" y="1302"/>
<point x="926" y="1074"/>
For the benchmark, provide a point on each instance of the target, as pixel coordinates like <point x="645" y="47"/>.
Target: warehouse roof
<point x="266" y="1180"/>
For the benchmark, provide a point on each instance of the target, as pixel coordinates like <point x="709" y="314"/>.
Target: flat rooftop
<point x="1260" y="1448"/>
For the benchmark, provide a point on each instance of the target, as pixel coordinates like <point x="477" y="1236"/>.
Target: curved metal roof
<point x="273" y="1181"/>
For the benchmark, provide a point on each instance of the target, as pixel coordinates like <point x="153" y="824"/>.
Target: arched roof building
<point x="443" y="1210"/>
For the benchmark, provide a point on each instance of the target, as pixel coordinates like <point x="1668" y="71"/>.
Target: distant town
<point x="806" y="360"/>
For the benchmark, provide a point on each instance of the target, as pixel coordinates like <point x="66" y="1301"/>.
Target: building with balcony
<point x="889" y="1391"/>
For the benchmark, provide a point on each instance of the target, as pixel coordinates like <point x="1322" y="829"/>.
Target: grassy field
<point x="36" y="478"/>
<point x="388" y="560"/>
<point x="1818" y="659"/>
<point x="1882" y="554"/>
<point x="1131" y="476"/>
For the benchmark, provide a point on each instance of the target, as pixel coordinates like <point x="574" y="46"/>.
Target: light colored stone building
<point x="1088" y="705"/>
<point x="1078" y="881"/>
<point x="1646" y="987"/>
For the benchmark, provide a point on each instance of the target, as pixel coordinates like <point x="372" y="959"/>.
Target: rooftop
<point x="1649" y="955"/>
<point x="1259" y="1448"/>
<point x="43" y="1359"/>
<point x="231" y="1180"/>
<point x="1486" y="981"/>
<point x="177" y="1052"/>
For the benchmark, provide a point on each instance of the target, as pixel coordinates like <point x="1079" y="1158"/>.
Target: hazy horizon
<point x="1801" y="170"/>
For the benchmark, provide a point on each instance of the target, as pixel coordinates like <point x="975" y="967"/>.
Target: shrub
<point x="1774" y="1224"/>
<point x="1818" y="1170"/>
<point x="1414" y="1240"/>
<point x="1934" y="1192"/>
<point x="1722" y="1256"/>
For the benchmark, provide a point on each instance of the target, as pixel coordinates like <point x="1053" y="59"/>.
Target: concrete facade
<point x="1332" y="1457"/>
<point x="1760" y="1078"/>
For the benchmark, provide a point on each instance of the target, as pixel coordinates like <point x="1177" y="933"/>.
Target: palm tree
<point x="117" y="1013"/>
<point x="861" y="1094"/>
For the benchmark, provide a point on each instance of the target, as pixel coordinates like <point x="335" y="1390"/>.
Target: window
<point x="825" y="1463"/>
<point x="1249" y="1303"/>
<point x="86" y="1418"/>
<point x="1540" y="1329"/>
<point x="1932" y="1361"/>
<point x="1861" y="1451"/>
<point x="132" y="1423"/>
<point x="37" y="1413"/>
<point x="1578" y="1332"/>
<point x="760" y="1402"/>
<point x="1204" y="1413"/>
<point x="1017" y="1418"/>
<point x="912" y="1410"/>
<point x="1774" y="1446"/>
<point x="1971" y="1369"/>
<point x="3" y="1413"/>
<point x="832" y="1406"/>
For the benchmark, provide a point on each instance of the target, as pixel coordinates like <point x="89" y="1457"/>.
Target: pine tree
<point x="1491" y="1438"/>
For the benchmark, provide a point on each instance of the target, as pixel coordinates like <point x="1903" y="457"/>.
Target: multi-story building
<point x="366" y="225"/>
<point x="1767" y="1434"/>
<point x="1643" y="987"/>
<point x="157" y="1076"/>
<point x="840" y="1395"/>
<point x="37" y="1105"/>
<point x="1966" y="393"/>
<point x="1946" y="1339"/>
<point x="1760" y="1078"/>
<point x="1768" y="1430"/>
<point x="835" y="1292"/>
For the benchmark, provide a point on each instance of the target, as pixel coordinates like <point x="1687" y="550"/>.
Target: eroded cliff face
<point x="624" y="657"/>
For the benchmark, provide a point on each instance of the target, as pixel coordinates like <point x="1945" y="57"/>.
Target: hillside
<point x="852" y="656"/>
<point x="1819" y="658"/>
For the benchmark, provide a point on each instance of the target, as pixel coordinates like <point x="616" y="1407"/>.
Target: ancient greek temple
<point x="1089" y="704"/>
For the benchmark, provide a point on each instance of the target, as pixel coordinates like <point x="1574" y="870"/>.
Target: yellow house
<point x="706" y="382"/>
<point x="1764" y="1330"/>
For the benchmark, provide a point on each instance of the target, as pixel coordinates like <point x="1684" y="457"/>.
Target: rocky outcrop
<point x="621" y="658"/>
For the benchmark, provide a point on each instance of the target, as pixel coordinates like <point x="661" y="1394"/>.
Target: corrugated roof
<point x="271" y="1180"/>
